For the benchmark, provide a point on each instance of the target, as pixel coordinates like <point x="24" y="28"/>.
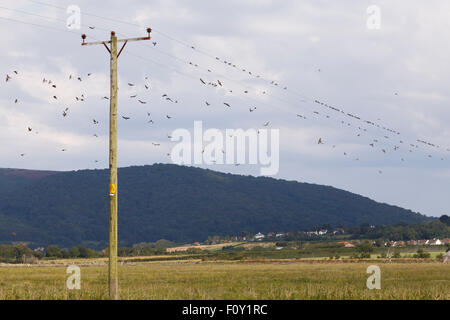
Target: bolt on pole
<point x="113" y="279"/>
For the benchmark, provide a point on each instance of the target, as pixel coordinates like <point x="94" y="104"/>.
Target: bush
<point x="421" y="254"/>
<point x="53" y="251"/>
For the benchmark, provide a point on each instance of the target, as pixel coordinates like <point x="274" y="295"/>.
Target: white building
<point x="259" y="236"/>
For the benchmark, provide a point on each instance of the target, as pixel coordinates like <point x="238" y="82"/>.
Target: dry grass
<point x="223" y="280"/>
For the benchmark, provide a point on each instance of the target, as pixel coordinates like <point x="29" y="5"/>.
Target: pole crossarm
<point x="113" y="282"/>
<point x="149" y="30"/>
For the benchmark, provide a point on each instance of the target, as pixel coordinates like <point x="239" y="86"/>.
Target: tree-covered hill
<point x="176" y="203"/>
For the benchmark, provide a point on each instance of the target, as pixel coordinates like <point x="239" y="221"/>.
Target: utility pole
<point x="113" y="281"/>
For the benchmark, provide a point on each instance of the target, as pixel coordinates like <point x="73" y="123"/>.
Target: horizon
<point x="236" y="174"/>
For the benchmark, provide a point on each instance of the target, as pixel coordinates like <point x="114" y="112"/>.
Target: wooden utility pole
<point x="113" y="281"/>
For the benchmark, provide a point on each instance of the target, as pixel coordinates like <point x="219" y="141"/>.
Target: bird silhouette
<point x="126" y="118"/>
<point x="320" y="141"/>
<point x="266" y="124"/>
<point x="7" y="78"/>
<point x="142" y="102"/>
<point x="154" y="43"/>
<point x="228" y="105"/>
<point x="168" y="117"/>
<point x="207" y="103"/>
<point x="202" y="81"/>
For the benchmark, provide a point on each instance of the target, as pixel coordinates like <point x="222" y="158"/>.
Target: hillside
<point x="173" y="202"/>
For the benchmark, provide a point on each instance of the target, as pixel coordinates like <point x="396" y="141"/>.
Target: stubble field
<point x="232" y="280"/>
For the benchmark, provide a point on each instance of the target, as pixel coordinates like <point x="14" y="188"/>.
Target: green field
<point x="232" y="280"/>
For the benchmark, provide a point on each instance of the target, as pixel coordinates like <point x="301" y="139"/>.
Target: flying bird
<point x="126" y="118"/>
<point x="320" y="141"/>
<point x="7" y="78"/>
<point x="207" y="103"/>
<point x="202" y="81"/>
<point x="130" y="84"/>
<point x="142" y="102"/>
<point x="168" y="117"/>
<point x="227" y="105"/>
<point x="266" y="124"/>
<point x="154" y="43"/>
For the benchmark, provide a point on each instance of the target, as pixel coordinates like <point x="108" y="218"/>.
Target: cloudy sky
<point x="396" y="76"/>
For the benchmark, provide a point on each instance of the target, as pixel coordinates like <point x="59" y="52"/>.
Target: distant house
<point x="423" y="242"/>
<point x="259" y="236"/>
<point x="322" y="232"/>
<point x="445" y="241"/>
<point x="435" y="242"/>
<point x="280" y="234"/>
<point x="348" y="244"/>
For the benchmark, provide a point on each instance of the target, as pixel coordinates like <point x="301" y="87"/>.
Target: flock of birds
<point x="390" y="133"/>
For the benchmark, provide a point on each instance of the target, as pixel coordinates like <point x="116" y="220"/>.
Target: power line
<point x="182" y="60"/>
<point x="215" y="58"/>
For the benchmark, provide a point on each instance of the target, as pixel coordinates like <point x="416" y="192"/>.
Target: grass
<point x="232" y="280"/>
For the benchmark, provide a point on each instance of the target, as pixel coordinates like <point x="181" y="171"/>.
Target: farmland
<point x="197" y="279"/>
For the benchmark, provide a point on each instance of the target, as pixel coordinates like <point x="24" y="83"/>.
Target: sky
<point x="389" y="66"/>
